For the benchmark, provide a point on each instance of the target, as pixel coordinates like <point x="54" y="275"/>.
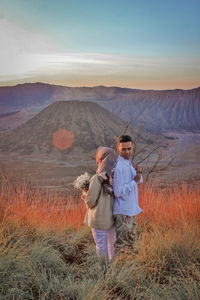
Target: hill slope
<point x="13" y="120"/>
<point x="159" y="110"/>
<point x="89" y="124"/>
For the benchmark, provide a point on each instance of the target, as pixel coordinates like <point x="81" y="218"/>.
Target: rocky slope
<point x="89" y="126"/>
<point x="13" y="120"/>
<point x="160" y="110"/>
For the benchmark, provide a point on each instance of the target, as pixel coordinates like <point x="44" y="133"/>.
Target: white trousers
<point x="104" y="240"/>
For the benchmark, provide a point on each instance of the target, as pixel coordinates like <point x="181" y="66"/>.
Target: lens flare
<point x="63" y="139"/>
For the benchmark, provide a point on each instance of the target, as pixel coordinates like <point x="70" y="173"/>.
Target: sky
<point x="146" y="44"/>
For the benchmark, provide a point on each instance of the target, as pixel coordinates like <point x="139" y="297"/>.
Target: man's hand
<point x="138" y="174"/>
<point x="137" y="178"/>
<point x="138" y="169"/>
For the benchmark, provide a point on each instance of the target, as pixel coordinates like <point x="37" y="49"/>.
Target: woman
<point x="99" y="201"/>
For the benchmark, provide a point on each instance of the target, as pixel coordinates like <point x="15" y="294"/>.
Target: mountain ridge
<point x="154" y="110"/>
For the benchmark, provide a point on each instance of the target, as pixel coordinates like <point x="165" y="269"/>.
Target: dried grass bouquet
<point x="82" y="182"/>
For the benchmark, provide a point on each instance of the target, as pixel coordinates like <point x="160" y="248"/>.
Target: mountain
<point x="84" y="124"/>
<point x="36" y="96"/>
<point x="155" y="111"/>
<point x="12" y="120"/>
<point x="159" y="111"/>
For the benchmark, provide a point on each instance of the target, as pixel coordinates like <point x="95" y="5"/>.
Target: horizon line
<point x="95" y="86"/>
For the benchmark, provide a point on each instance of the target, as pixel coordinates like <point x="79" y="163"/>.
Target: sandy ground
<point x="54" y="174"/>
<point x="44" y="173"/>
<point x="185" y="147"/>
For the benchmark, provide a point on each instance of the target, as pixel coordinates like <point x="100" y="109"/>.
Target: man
<point x="126" y="206"/>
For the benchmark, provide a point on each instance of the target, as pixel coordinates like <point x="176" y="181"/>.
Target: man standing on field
<point x="126" y="206"/>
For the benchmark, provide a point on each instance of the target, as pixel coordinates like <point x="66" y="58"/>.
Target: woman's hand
<point x="84" y="196"/>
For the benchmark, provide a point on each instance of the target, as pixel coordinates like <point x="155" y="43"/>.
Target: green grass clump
<point x="64" y="265"/>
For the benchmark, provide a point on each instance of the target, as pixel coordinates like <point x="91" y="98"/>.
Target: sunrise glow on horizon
<point x="134" y="44"/>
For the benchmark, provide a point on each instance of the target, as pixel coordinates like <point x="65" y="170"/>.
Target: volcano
<point x="65" y="130"/>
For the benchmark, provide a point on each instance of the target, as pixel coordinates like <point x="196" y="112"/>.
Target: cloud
<point x="27" y="55"/>
<point x="24" y="54"/>
<point x="99" y="64"/>
<point x="19" y="49"/>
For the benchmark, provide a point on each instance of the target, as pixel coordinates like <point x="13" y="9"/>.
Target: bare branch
<point x="167" y="165"/>
<point x="149" y="154"/>
<point x="143" y="149"/>
<point x="126" y="128"/>
<point x="153" y="168"/>
<point x="147" y="151"/>
<point x="136" y="139"/>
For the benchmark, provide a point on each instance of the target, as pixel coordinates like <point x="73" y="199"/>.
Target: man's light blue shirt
<point x="125" y="189"/>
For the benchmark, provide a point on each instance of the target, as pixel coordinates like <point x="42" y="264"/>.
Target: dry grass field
<point x="47" y="253"/>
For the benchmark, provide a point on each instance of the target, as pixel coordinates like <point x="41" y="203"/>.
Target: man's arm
<point x="119" y="186"/>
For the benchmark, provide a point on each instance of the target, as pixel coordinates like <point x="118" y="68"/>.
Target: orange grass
<point x="170" y="207"/>
<point x="177" y="206"/>
<point x="37" y="209"/>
